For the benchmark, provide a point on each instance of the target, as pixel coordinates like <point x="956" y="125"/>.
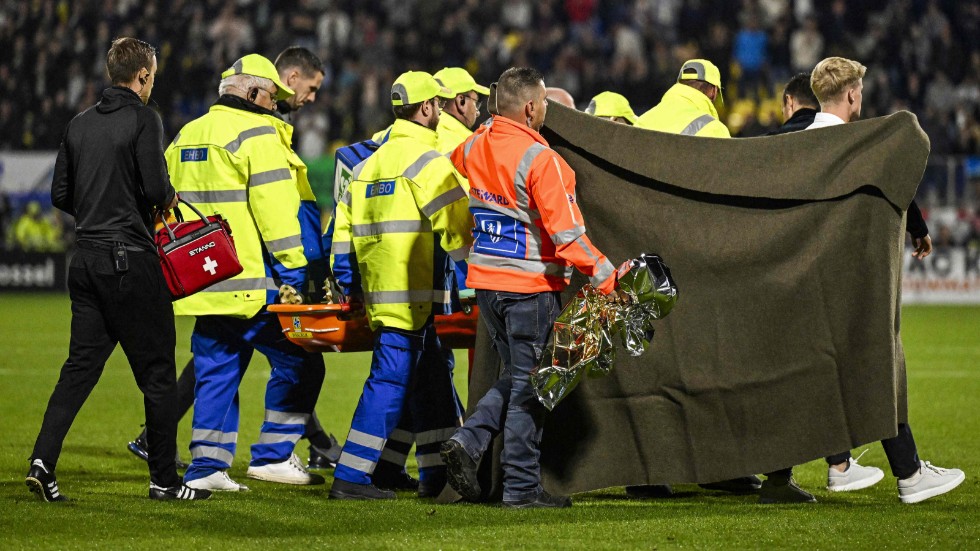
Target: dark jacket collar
<point x="117" y="97"/>
<point x="236" y="102"/>
<point x="800" y="120"/>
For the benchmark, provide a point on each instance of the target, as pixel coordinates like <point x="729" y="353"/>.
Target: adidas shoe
<point x="218" y="481"/>
<point x="180" y="491"/>
<point x="42" y="482"/>
<point x="854" y="477"/>
<point x="138" y="448"/>
<point x="290" y="471"/>
<point x="930" y="481"/>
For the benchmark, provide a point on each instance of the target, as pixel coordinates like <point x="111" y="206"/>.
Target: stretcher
<point x="333" y="328"/>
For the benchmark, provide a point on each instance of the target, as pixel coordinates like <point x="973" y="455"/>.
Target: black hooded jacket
<point x="110" y="173"/>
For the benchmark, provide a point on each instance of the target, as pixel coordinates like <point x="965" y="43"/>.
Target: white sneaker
<point x="930" y="481"/>
<point x="854" y="477"/>
<point x="218" y="481"/>
<point x="290" y="471"/>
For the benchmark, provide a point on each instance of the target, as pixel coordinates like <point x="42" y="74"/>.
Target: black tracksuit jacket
<point x="110" y="173"/>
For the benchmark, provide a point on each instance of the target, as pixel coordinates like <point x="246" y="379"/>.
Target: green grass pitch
<point x="110" y="509"/>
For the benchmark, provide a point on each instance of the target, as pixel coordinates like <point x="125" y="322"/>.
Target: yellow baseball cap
<point x="611" y="104"/>
<point x="701" y="69"/>
<point x="416" y="87"/>
<point x="459" y="81"/>
<point x="259" y="66"/>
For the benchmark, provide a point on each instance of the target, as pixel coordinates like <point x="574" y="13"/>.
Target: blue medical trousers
<point x="400" y="381"/>
<point x="222" y="349"/>
<point x="520" y="325"/>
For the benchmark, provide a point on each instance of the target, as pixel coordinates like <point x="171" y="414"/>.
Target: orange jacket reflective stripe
<point x="528" y="229"/>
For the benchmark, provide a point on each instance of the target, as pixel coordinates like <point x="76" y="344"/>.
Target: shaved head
<point x="560" y="95"/>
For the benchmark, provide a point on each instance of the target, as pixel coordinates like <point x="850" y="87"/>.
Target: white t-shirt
<point x="822" y="120"/>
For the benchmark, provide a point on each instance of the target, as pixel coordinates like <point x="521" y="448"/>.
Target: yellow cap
<point x="259" y="66"/>
<point x="416" y="87"/>
<point x="459" y="81"/>
<point x="701" y="69"/>
<point x="611" y="104"/>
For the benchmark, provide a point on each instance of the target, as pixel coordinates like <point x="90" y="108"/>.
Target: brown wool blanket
<point x="784" y="344"/>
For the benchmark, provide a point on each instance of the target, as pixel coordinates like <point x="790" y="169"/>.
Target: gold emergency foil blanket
<point x="582" y="342"/>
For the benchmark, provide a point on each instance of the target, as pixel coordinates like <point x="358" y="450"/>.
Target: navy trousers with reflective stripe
<point x="223" y="347"/>
<point x="399" y="381"/>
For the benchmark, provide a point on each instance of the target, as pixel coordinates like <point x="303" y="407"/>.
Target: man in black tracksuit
<point x="111" y="176"/>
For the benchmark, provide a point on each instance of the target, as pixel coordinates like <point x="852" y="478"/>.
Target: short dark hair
<point x="126" y="57"/>
<point x="406" y="111"/>
<point x="702" y="86"/>
<point x="799" y="88"/>
<point x="514" y="87"/>
<point x="301" y="58"/>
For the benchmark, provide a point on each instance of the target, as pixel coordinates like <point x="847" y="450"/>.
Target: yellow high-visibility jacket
<point x="403" y="197"/>
<point x="684" y="110"/>
<point x="239" y="164"/>
<point x="451" y="133"/>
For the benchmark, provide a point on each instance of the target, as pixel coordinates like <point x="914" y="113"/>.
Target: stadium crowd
<point x="922" y="55"/>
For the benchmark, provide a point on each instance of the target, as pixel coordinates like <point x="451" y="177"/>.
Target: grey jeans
<point x="520" y="325"/>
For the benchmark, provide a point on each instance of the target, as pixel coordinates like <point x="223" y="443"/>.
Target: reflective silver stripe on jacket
<point x="345" y="197"/>
<point x="269" y="176"/>
<point x="415" y="168"/>
<point x="365" y="439"/>
<point x="530" y="266"/>
<point x="283" y="244"/>
<point x="521" y="175"/>
<point x="235" y="144"/>
<point x="247" y="284"/>
<point x="605" y="270"/>
<point x="401" y="297"/>
<point x="446" y="198"/>
<point x="696" y="125"/>
<point x="216" y="436"/>
<point x="340" y="247"/>
<point x="356" y="171"/>
<point x="459" y="254"/>
<point x="391" y="226"/>
<point x="286" y="418"/>
<point x="221" y="196"/>
<point x="567" y="236"/>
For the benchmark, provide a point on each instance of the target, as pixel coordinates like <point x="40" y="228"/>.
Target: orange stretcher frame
<point x="330" y="328"/>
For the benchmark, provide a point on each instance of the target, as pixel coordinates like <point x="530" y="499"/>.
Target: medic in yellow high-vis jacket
<point x="402" y="195"/>
<point x="402" y="199"/>
<point x="239" y="164"/>
<point x="236" y="161"/>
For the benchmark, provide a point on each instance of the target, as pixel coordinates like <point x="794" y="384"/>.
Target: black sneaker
<point x="400" y="480"/>
<point x="460" y="470"/>
<point x="544" y="500"/>
<point x="740" y="485"/>
<point x="42" y="482"/>
<point x="325" y="458"/>
<point x="784" y="492"/>
<point x="342" y="489"/>
<point x="180" y="491"/>
<point x="138" y="448"/>
<point x="649" y="491"/>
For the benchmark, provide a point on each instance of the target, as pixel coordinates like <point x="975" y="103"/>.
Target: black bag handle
<point x="180" y="217"/>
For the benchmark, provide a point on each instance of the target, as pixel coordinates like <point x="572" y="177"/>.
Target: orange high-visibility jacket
<point x="528" y="229"/>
